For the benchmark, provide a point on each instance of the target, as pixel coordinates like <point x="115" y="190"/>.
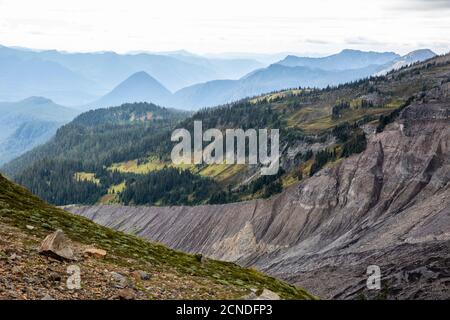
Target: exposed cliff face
<point x="389" y="206"/>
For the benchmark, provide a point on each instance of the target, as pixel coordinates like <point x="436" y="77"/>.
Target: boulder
<point x="126" y="294"/>
<point x="264" y="295"/>
<point x="120" y="280"/>
<point x="54" y="277"/>
<point x="47" y="297"/>
<point x="94" y="252"/>
<point x="140" y="275"/>
<point x="57" y="245"/>
<point x="268" y="295"/>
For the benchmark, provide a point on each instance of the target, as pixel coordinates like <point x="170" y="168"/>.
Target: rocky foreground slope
<point x="388" y="206"/>
<point x="37" y="262"/>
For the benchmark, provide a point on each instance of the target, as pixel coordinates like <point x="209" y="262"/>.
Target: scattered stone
<point x="264" y="295"/>
<point x="204" y="260"/>
<point x="15" y="269"/>
<point x="55" y="277"/>
<point x="13" y="256"/>
<point x="126" y="294"/>
<point x="268" y="295"/>
<point x="47" y="297"/>
<point x="29" y="227"/>
<point x="94" y="252"/>
<point x="57" y="245"/>
<point x="121" y="280"/>
<point x="140" y="275"/>
<point x="250" y="296"/>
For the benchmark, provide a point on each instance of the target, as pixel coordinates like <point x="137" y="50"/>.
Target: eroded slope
<point x="389" y="205"/>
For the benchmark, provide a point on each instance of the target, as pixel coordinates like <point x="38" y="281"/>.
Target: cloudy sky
<point x="210" y="26"/>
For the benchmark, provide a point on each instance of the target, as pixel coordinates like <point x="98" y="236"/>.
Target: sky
<point x="316" y="27"/>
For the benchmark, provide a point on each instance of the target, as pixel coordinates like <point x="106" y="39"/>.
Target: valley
<point x="363" y="181"/>
<point x="225" y="158"/>
<point x="388" y="206"/>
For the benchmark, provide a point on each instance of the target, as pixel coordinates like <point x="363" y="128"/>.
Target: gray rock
<point x="126" y="294"/>
<point x="47" y="297"/>
<point x="13" y="257"/>
<point x="266" y="294"/>
<point x="55" y="277"/>
<point x="120" y="280"/>
<point x="15" y="269"/>
<point x="57" y="245"/>
<point x="140" y="275"/>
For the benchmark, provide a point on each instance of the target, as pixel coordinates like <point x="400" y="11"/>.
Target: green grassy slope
<point x="19" y="208"/>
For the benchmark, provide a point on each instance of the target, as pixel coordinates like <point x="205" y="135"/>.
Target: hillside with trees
<point x="122" y="154"/>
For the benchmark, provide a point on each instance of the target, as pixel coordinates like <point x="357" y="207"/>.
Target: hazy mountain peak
<point x="407" y="59"/>
<point x="37" y="100"/>
<point x="420" y="54"/>
<point x="141" y="74"/>
<point x="347" y="51"/>
<point x="139" y="87"/>
<point x="142" y="78"/>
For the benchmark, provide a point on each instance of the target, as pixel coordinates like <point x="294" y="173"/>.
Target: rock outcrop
<point x="388" y="206"/>
<point x="57" y="245"/>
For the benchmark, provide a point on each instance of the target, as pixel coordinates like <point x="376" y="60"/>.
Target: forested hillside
<point x="122" y="154"/>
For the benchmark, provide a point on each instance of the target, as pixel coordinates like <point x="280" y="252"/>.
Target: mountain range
<point x="346" y="59"/>
<point x="192" y="81"/>
<point x="77" y="78"/>
<point x="291" y="72"/>
<point x="126" y="148"/>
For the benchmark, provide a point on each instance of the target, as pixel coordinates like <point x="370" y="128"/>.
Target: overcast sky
<point x="212" y="26"/>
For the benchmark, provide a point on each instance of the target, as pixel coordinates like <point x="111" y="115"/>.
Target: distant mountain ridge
<point x="22" y="76"/>
<point x="346" y="59"/>
<point x="78" y="78"/>
<point x="412" y="57"/>
<point x="28" y="123"/>
<point x="178" y="79"/>
<point x="291" y="72"/>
